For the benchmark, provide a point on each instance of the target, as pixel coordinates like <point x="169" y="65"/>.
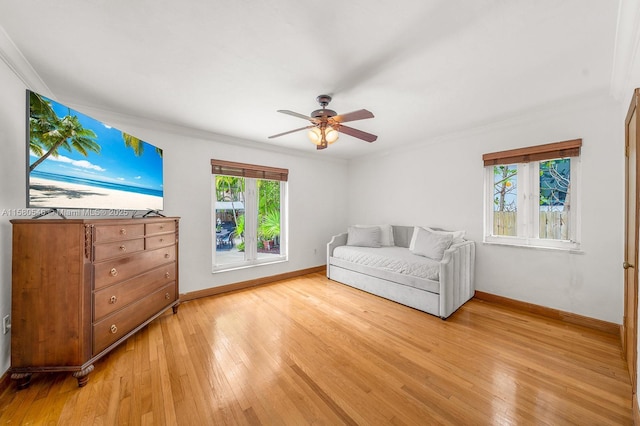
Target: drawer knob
<point x="123" y="231"/>
<point x="113" y="272"/>
<point x="161" y="239"/>
<point x="113" y="299"/>
<point x="167" y="275"/>
<point x="123" y="248"/>
<point x="113" y="329"/>
<point x="166" y="255"/>
<point x="167" y="296"/>
<point x="161" y="226"/>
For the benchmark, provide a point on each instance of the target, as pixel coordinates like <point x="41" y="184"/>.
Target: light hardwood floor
<point x="309" y="350"/>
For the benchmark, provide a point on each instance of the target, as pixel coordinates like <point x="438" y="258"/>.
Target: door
<point x="630" y="320"/>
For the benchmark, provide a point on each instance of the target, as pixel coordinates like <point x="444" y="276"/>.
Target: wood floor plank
<point x="308" y="350"/>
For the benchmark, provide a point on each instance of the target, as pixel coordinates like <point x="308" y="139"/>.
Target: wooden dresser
<point x="81" y="287"/>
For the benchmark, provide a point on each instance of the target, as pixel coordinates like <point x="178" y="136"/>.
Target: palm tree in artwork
<point x="41" y="121"/>
<point x="137" y="145"/>
<point x="49" y="133"/>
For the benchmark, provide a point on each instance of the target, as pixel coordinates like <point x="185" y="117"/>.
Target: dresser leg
<point x="83" y="375"/>
<point x="175" y="308"/>
<point x="24" y="379"/>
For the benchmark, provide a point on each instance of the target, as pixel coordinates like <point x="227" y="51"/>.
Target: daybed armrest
<point x="457" y="277"/>
<point x="336" y="241"/>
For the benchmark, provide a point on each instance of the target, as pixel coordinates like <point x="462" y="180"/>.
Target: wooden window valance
<point x="230" y="168"/>
<point x="534" y="153"/>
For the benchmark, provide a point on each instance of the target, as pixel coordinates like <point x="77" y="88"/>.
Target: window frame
<point x="528" y="217"/>
<point x="251" y="173"/>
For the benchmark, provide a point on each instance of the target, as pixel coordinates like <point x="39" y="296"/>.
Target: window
<point x="532" y="195"/>
<point x="248" y="214"/>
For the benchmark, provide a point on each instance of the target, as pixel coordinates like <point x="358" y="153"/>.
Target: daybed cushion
<point x="392" y="278"/>
<point x="394" y="259"/>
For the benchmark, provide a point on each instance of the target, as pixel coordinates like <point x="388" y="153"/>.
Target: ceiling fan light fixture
<point x="331" y="134"/>
<point x="315" y="135"/>
<point x="323" y="135"/>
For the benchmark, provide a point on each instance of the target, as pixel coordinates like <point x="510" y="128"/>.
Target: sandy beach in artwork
<point x="51" y="193"/>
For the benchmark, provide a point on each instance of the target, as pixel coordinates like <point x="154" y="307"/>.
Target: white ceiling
<point x="424" y="67"/>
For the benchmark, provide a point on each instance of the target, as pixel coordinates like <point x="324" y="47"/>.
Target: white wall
<point x="440" y="183"/>
<point x="12" y="185"/>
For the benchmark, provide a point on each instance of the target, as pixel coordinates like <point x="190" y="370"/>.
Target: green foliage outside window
<point x="231" y="188"/>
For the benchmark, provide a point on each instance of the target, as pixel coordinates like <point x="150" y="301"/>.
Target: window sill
<point x="571" y="249"/>
<point x="248" y="264"/>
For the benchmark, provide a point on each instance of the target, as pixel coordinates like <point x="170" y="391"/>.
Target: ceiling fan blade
<point x="357" y="133"/>
<point x="290" y="131"/>
<point x="295" y="114"/>
<point x="361" y="114"/>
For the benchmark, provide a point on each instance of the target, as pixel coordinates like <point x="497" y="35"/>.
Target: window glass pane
<point x="555" y="179"/>
<point x="229" y="220"/>
<point x="505" y="199"/>
<point x="268" y="241"/>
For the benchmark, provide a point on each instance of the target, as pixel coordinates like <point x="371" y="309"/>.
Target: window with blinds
<point x="532" y="197"/>
<point x="248" y="214"/>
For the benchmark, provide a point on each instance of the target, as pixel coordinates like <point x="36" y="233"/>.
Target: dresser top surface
<point x="101" y="221"/>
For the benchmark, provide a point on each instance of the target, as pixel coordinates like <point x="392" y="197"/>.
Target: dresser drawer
<point x="118" y="248"/>
<point x="118" y="232"/>
<point x="160" y="227"/>
<point x="117" y="296"/>
<point x="117" y="325"/>
<point x="122" y="268"/>
<point x="161" y="240"/>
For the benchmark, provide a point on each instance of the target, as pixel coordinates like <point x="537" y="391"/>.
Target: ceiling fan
<point x="326" y="123"/>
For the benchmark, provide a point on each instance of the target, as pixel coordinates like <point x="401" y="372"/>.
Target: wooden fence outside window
<point x="553" y="225"/>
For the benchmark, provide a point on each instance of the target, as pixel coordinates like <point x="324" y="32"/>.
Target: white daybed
<point x="394" y="271"/>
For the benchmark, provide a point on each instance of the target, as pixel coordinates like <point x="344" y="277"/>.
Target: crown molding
<point x="627" y="43"/>
<point x="15" y="60"/>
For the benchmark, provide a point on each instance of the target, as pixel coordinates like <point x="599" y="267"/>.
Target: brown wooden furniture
<point x="81" y="287"/>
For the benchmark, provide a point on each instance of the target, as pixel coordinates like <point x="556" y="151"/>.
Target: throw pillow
<point x="458" y="236"/>
<point x="386" y="234"/>
<point x="363" y="237"/>
<point x="430" y="244"/>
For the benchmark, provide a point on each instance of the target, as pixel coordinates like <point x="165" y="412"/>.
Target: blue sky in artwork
<point x="115" y="163"/>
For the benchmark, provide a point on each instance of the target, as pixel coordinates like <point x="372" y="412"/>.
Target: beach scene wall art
<point x="78" y="162"/>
